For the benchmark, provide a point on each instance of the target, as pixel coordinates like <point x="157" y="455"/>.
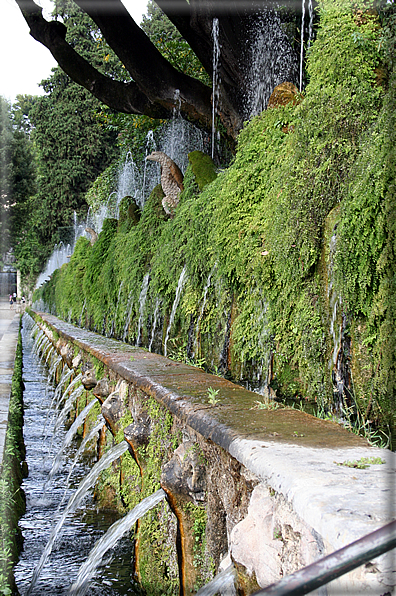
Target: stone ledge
<point x="291" y="452"/>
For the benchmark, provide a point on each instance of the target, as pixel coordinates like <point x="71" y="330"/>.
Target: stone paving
<point x="9" y="326"/>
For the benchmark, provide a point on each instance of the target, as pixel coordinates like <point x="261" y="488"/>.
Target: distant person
<point x="11" y="301"/>
<point x="14" y="297"/>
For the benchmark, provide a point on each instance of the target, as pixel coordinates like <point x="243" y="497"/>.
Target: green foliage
<point x="362" y="463"/>
<point x="69" y="289"/>
<point x="202" y="167"/>
<point x="212" y="396"/>
<point x="17" y="173"/>
<point x="170" y="43"/>
<point x="99" y="192"/>
<point x="98" y="289"/>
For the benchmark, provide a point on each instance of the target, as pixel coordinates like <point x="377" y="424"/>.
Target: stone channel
<point x="272" y="488"/>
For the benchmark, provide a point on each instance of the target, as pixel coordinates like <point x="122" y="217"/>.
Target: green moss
<point x="129" y="213"/>
<point x="124" y="486"/>
<point x="202" y="167"/>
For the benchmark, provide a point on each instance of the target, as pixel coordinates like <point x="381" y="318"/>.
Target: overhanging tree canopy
<point x="154" y="81"/>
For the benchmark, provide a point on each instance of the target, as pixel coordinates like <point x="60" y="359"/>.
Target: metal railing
<point x="334" y="565"/>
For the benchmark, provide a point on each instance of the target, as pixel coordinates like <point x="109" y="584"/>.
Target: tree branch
<point x="153" y="74"/>
<point x="123" y="97"/>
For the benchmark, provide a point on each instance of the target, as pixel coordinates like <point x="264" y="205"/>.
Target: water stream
<point x="68" y="439"/>
<point x="83" y="527"/>
<point x="176" y="301"/>
<point x="201" y="312"/>
<point x="110" y="539"/>
<point x="302" y="44"/>
<point x="142" y="302"/>
<point x="155" y="320"/>
<point x="215" y="79"/>
<point x="129" y="314"/>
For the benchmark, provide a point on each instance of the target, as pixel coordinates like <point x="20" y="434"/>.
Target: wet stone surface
<point x="187" y="387"/>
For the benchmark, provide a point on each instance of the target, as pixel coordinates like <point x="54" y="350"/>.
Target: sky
<point x="25" y="61"/>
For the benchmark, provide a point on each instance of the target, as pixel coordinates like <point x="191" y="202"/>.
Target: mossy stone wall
<point x="255" y="239"/>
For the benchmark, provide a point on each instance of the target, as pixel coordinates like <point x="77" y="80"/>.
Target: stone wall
<point x="261" y="488"/>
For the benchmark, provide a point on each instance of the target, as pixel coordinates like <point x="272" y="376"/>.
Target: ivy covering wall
<point x="289" y="251"/>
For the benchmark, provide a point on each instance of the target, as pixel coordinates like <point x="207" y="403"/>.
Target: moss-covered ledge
<point x="288" y="453"/>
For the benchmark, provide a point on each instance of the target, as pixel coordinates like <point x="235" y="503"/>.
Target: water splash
<point x="129" y="183"/>
<point x="179" y="289"/>
<point x="74" y="502"/>
<point x="177" y="139"/>
<point x="108" y="541"/>
<point x="62" y="251"/>
<point x="215" y="79"/>
<point x="142" y="302"/>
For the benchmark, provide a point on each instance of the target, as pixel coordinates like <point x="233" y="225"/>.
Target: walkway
<point x="9" y="326"/>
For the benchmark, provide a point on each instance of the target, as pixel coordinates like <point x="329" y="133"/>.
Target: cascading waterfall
<point x="82" y="313"/>
<point x="215" y="79"/>
<point x="310" y="26"/>
<point x="65" y="376"/>
<point x="108" y="541"/>
<point x="155" y="320"/>
<point x="83" y="528"/>
<point x="142" y="302"/>
<point x="272" y="61"/>
<point x="62" y="251"/>
<point x="60" y="419"/>
<point x="177" y="138"/>
<point x="68" y="406"/>
<point x="54" y="366"/>
<point x="129" y="183"/>
<point x="179" y="289"/>
<point x="49" y="353"/>
<point x="74" y="502"/>
<point x="337" y="362"/>
<point x="150" y="170"/>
